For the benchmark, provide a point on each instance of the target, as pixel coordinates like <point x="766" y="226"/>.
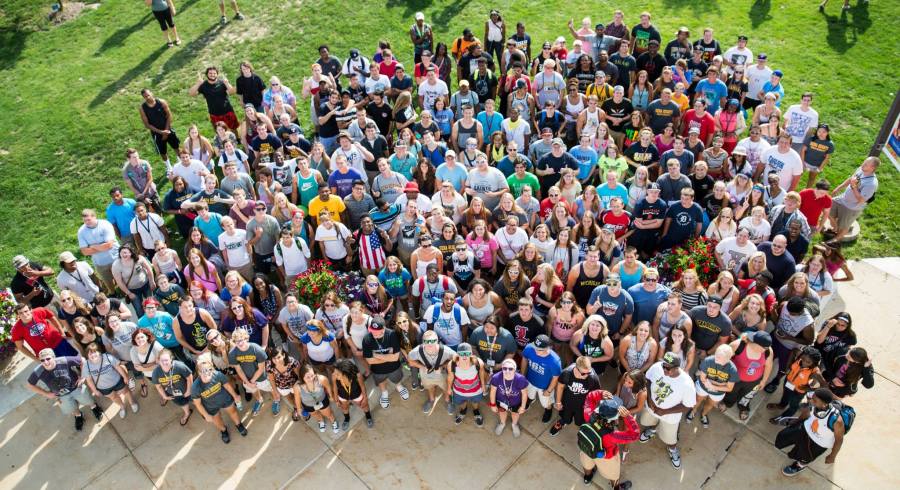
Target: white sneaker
<point x="515" y="430"/>
<point x="499" y="429"/>
<point x="135" y="408"/>
<point x="122" y="413"/>
<point x="335" y="427"/>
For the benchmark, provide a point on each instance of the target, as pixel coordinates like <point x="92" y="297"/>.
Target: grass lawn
<point x="70" y="93"/>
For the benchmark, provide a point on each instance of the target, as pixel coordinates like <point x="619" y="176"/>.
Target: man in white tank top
<point x="820" y="428"/>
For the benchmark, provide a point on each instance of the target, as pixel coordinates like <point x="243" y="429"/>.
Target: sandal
<point x="295" y="416"/>
<point x="744" y="413"/>
<point x="722" y="407"/>
<point x="185" y="418"/>
<point x="163" y="402"/>
<point x="144" y="390"/>
<point x="775" y="406"/>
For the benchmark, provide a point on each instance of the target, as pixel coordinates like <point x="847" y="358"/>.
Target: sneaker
<point x="624" y="454"/>
<point x="556" y="428"/>
<point x="345" y="425"/>
<point x="647" y="435"/>
<point x="238" y="16"/>
<point x="322" y="427"/>
<point x="122" y="413"/>
<point x="225" y="437"/>
<point x="449" y="408"/>
<point x="256" y="406"/>
<point x="416" y="385"/>
<point x="223" y="20"/>
<point x="426" y="407"/>
<point x="515" y="430"/>
<point x="499" y="429"/>
<point x="335" y="427"/>
<point x="276" y="407"/>
<point x="704" y="421"/>
<point x="135" y="408"/>
<point x="689" y="417"/>
<point x="772" y="386"/>
<point x="242" y="430"/>
<point x="404" y="393"/>
<point x="370" y="423"/>
<point x="792" y="469"/>
<point x="97" y="412"/>
<point x="459" y="418"/>
<point x="479" y="419"/>
<point x="79" y="422"/>
<point x="675" y="457"/>
<point x="625" y="485"/>
<point x="548" y="414"/>
<point x="385" y="400"/>
<point x="589" y="477"/>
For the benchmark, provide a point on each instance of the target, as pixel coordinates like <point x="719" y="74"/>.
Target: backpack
<point x="297" y="241"/>
<point x="590" y="440"/>
<point x="847" y="414"/>
<point x="457" y="314"/>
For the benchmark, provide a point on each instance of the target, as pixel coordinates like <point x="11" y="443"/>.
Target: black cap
<point x="742" y="37"/>
<point x="653" y="186"/>
<point x="542" y="342"/>
<point x="760" y="338"/>
<point x="715" y="299"/>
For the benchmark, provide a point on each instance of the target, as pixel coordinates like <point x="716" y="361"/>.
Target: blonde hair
<point x="585" y="326"/>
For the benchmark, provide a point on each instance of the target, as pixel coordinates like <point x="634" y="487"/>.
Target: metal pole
<point x="886" y="127"/>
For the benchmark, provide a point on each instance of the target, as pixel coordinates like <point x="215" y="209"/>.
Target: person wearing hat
<point x="29" y="285"/>
<point x="463" y="97"/>
<point x="63" y="375"/>
<point x="738" y="56"/>
<point x="820" y="428"/>
<point x="599" y="89"/>
<point x="77" y="276"/>
<point x="651" y="61"/>
<point x="753" y="359"/>
<point x="603" y="415"/>
<point x="712" y="327"/>
<point x="420" y="70"/>
<point x="716" y="376"/>
<point x="549" y="167"/>
<point x="671" y="394"/>
<point x="411" y="194"/>
<point x="649" y="216"/>
<point x="542" y="367"/>
<point x="357" y="64"/>
<point x="774" y="86"/>
<point x="757" y="74"/>
<point x="800" y="120"/>
<point x="548" y="85"/>
<point x="460" y="45"/>
<point x="679" y="48"/>
<point x="381" y="349"/>
<point x="422" y="36"/>
<point x="509" y="391"/>
<point x="520" y="97"/>
<point x="431" y="358"/>
<point x="466" y="378"/>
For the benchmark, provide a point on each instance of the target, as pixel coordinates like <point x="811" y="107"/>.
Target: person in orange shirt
<point x="803" y="375"/>
<point x="461" y="44"/>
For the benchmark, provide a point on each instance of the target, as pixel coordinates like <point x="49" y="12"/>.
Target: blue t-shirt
<point x="343" y="183"/>
<point x="456" y="175"/>
<point x="646" y="302"/>
<point x="121" y="216"/>
<point x="767" y="87"/>
<point x="506" y="166"/>
<point x="394" y="282"/>
<point x="587" y="159"/>
<point x="211" y="229"/>
<point x="713" y="93"/>
<point x="541" y="370"/>
<point x="404" y="166"/>
<point x="613" y="309"/>
<point x="101" y="233"/>
<point x="489" y="126"/>
<point x="684" y="222"/>
<point x="444" y="120"/>
<point x="606" y="194"/>
<point x="161" y="326"/>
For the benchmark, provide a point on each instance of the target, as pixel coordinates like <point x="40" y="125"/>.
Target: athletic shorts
<point x="394" y="376"/>
<point x="701" y="391"/>
<point x="109" y="391"/>
<point x="164" y="17"/>
<point x="325" y="404"/>
<point x="215" y="411"/>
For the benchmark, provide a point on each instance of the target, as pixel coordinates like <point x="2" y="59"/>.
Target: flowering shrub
<point x="696" y="253"/>
<point x="312" y="285"/>
<point x="7" y="320"/>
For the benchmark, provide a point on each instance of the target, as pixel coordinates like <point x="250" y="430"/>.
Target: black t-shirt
<point x="702" y="187"/>
<point x="626" y="65"/>
<point x="653" y="64"/>
<point x="662" y="114"/>
<point x="100" y="320"/>
<point x="357" y="94"/>
<point x="329" y="128"/>
<point x="388" y="344"/>
<point x="382" y="115"/>
<point x="483" y="85"/>
<point x="736" y="88"/>
<point x="643" y="155"/>
<point x="549" y="161"/>
<point x="684" y="221"/>
<point x="699" y="72"/>
<point x="216" y="94"/>
<point x="576" y="390"/>
<point x="265" y="148"/>
<point x="707" y="330"/>
<point x="641" y="37"/>
<point x="250" y="88"/>
<point x="378" y="147"/>
<point x="620" y="109"/>
<point x="553" y="122"/>
<point x="331" y="67"/>
<point x="781" y="266"/>
<point x="292" y="150"/>
<point x="524" y="331"/>
<point x="647" y="210"/>
<point x="25" y="285"/>
<point x="710" y="50"/>
<point x="676" y="51"/>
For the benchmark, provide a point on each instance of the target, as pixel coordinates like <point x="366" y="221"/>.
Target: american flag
<point x="371" y="251"/>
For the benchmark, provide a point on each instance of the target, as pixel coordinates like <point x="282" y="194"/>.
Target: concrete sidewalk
<point x="408" y="449"/>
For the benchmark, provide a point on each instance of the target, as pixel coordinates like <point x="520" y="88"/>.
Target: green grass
<point x="70" y="93"/>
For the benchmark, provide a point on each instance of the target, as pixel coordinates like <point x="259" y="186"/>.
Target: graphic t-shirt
<point x="707" y="330"/>
<point x="174" y="383"/>
<point x="668" y="392"/>
<point x="249" y="360"/>
<point x="612" y="308"/>
<point x="541" y="370"/>
<point x="719" y="373"/>
<point x="212" y="394"/>
<point x="38" y="333"/>
<point x="509" y="393"/>
<point x="524" y="331"/>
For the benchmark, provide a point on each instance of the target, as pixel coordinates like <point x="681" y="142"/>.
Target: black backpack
<point x="590" y="439"/>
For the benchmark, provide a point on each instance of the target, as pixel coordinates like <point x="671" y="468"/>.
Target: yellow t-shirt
<point x="335" y="206"/>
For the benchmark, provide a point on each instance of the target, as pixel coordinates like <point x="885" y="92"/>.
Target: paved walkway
<point x="406" y="449"/>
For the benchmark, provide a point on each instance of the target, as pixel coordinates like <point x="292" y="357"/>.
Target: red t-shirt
<point x="547" y="207"/>
<point x="706" y="124"/>
<point x="811" y="207"/>
<point x="39" y="333"/>
<point x="622" y="222"/>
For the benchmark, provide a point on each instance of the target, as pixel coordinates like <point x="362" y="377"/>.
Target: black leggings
<point x="164" y="17"/>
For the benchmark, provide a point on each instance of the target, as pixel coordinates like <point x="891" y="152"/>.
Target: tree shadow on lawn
<point x="759" y="12"/>
<point x="183" y="55"/>
<point x="118" y="38"/>
<point x="12" y="43"/>
<point x="412" y="6"/>
<point x="857" y="22"/>
<point x="697" y="6"/>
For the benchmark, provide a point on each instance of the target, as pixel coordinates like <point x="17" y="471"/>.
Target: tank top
<point x="466" y="382"/>
<point x="349" y="391"/>
<point x="818" y="430"/>
<point x="591" y="122"/>
<point x="749" y="370"/>
<point x="629" y="401"/>
<point x="463" y="133"/>
<point x="521" y="104"/>
<point x="591" y="347"/>
<point x="495" y="32"/>
<point x="585" y="285"/>
<point x="358" y="332"/>
<point x="422" y="266"/>
<point x="313" y="397"/>
<point x="573" y="110"/>
<point x="480" y="314"/>
<point x="308" y="187"/>
<point x="166" y="266"/>
<point x="629" y="280"/>
<point x="156" y="115"/>
<point x="665" y="325"/>
<point x="637" y="358"/>
<point x="562" y="330"/>
<point x="194" y="333"/>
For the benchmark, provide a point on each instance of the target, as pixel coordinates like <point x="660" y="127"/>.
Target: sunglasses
<point x="651" y="279"/>
<point x="566" y="302"/>
<point x="46" y="359"/>
<point x="237" y="307"/>
<point x="372" y="284"/>
<point x="508" y="369"/>
<point x="260" y="209"/>
<point x="433" y="341"/>
<point x="460" y="249"/>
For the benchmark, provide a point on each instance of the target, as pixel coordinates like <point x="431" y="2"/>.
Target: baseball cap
<point x="463" y="82"/>
<point x="778" y="73"/>
<point x="560" y="39"/>
<point x="739" y="150"/>
<point x="652" y="42"/>
<point x="546" y="129"/>
<point x="694" y="130"/>
<point x="609" y="409"/>
<point x="420" y="16"/>
<point x="375" y="326"/>
<point x="762" y="56"/>
<point x="399" y="66"/>
<point x="715" y="299"/>
<point x="599" y="26"/>
<point x="653" y="186"/>
<point x="547" y="45"/>
<point x="600" y="73"/>
<point x="354" y="53"/>
<point x="294" y="130"/>
<point x="426" y="53"/>
<point x="67" y="257"/>
<point x="556" y="141"/>
<point x="609" y="228"/>
<point x="411" y="187"/>
<point x="450" y="153"/>
<point x="20" y="261"/>
<point x="760" y="338"/>
<point x="671" y="359"/>
<point x="742" y="37"/>
<point x="343" y="134"/>
<point x="541" y="342"/>
<point x="464" y="349"/>
<point x="521" y="84"/>
<point x="613" y="278"/>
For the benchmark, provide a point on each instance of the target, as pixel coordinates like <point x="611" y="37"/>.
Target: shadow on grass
<point x="412" y="6"/>
<point x="12" y="42"/>
<point x="759" y="12"/>
<point x="179" y="59"/>
<point x="119" y="37"/>
<point x="443" y="17"/>
<point x="697" y="7"/>
<point x="844" y="29"/>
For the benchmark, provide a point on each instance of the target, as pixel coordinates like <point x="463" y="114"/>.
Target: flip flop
<point x="744" y="414"/>
<point x="296" y="416"/>
<point x="144" y="390"/>
<point x="184" y="420"/>
<point x="163" y="402"/>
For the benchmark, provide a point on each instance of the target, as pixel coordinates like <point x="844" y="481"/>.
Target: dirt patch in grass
<point x="69" y="11"/>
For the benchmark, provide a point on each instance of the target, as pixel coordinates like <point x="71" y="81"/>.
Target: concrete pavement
<point x="407" y="449"/>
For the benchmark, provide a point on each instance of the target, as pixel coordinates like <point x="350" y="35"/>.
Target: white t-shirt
<point x="236" y="246"/>
<point x="758" y="233"/>
<point x="333" y="239"/>
<point x="149" y="229"/>
<point x="437" y="201"/>
<point x="756" y="79"/>
<point x="738" y="56"/>
<point x="786" y="165"/>
<point x="668" y="392"/>
<point x="192" y="174"/>
<point x="354" y="159"/>
<point x="754" y="149"/>
<point x="424" y="203"/>
<point x="430" y="93"/>
<point x="516" y="131"/>
<point x="382" y="83"/>
<point x="293" y="257"/>
<point x="79" y="281"/>
<point x="510" y="245"/>
<point x="446" y="326"/>
<point x="733" y="255"/>
<point x="491" y="181"/>
<point x="798" y="122"/>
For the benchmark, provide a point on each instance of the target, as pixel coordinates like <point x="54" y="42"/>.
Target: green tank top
<point x="307" y="187"/>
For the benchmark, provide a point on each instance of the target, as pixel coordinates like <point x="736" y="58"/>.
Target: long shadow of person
<point x="844" y="30"/>
<point x="759" y="12"/>
<point x="119" y="37"/>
